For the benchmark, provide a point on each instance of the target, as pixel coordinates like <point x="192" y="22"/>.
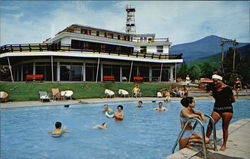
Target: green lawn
<point x="29" y="91"/>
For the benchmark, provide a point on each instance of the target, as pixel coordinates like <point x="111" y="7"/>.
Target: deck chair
<point x="44" y="96"/>
<point x="3" y="96"/>
<point x="67" y="94"/>
<point x="109" y="93"/>
<point x="159" y="95"/>
<point x="123" y="92"/>
<point x="56" y="94"/>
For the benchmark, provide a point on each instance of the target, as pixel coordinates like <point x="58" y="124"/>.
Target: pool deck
<point x="85" y="101"/>
<point x="237" y="145"/>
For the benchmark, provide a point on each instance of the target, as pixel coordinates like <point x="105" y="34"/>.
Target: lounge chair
<point x="67" y="94"/>
<point x="123" y="92"/>
<point x="44" y="96"/>
<point x="56" y="94"/>
<point x="109" y="93"/>
<point x="3" y="96"/>
<point x="159" y="95"/>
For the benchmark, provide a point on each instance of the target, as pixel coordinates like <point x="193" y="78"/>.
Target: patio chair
<point x="159" y="95"/>
<point x="3" y="96"/>
<point x="109" y="93"/>
<point x="123" y="92"/>
<point x="44" y="96"/>
<point x="56" y="94"/>
<point x="67" y="94"/>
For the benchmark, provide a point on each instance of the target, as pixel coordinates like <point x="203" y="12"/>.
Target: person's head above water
<point x="160" y="104"/>
<point x="186" y="101"/>
<point x="120" y="107"/>
<point x="106" y="107"/>
<point x="58" y="125"/>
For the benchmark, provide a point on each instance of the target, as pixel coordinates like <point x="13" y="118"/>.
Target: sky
<point x="181" y="21"/>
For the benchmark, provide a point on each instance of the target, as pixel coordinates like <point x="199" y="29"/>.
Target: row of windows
<point x="107" y="35"/>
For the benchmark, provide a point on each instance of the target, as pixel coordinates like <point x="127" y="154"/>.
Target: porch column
<point x="175" y="71"/>
<point x="131" y="68"/>
<point x="58" y="71"/>
<point x="34" y="68"/>
<point x="137" y="71"/>
<point x="21" y="72"/>
<point x="52" y="70"/>
<point x="101" y="72"/>
<point x="171" y="73"/>
<point x="97" y="70"/>
<point x="17" y="74"/>
<point x="150" y="74"/>
<point x="161" y="72"/>
<point x="120" y="73"/>
<point x="11" y="74"/>
<point x="84" y="71"/>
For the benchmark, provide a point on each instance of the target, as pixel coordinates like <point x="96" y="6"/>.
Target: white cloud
<point x="180" y="21"/>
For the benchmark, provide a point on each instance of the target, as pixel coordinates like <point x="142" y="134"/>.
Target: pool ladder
<point x="203" y="134"/>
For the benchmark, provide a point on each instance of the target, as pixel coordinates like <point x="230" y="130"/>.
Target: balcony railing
<point x="55" y="47"/>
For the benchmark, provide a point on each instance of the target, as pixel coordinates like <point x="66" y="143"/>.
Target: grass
<point x="29" y="91"/>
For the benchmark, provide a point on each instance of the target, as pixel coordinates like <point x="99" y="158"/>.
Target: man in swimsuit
<point x="160" y="107"/>
<point x="223" y="108"/>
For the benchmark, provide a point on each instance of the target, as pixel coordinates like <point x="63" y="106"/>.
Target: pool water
<point x="143" y="134"/>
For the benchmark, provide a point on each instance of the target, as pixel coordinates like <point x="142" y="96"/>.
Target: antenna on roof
<point x="130" y="24"/>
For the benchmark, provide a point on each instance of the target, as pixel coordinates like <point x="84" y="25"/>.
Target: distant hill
<point x="215" y="59"/>
<point x="204" y="47"/>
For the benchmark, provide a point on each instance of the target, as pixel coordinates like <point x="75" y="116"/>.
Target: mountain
<point x="215" y="59"/>
<point x="204" y="47"/>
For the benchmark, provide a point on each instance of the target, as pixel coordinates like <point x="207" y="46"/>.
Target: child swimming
<point x="57" y="132"/>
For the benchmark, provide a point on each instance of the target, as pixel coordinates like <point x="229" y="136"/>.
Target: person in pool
<point x="103" y="126"/>
<point x="160" y="107"/>
<point x="58" y="131"/>
<point x="108" y="111"/>
<point x="140" y="104"/>
<point x="186" y="113"/>
<point x="119" y="116"/>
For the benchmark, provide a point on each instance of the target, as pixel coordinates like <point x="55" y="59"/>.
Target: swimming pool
<point x="143" y="134"/>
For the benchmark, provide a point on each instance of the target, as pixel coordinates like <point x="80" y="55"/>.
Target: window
<point x="89" y="32"/>
<point x="118" y="37"/>
<point x="97" y="33"/>
<point x="143" y="49"/>
<point x="84" y="31"/>
<point x="159" y="49"/>
<point x="105" y="34"/>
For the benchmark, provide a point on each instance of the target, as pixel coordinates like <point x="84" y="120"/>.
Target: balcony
<point x="40" y="47"/>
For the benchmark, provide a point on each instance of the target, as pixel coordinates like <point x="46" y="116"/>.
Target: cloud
<point x="181" y="21"/>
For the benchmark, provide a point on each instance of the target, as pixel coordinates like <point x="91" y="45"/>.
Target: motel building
<point x="86" y="54"/>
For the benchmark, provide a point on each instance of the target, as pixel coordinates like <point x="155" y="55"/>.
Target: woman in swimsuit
<point x="223" y="108"/>
<point x="185" y="114"/>
<point x="237" y="86"/>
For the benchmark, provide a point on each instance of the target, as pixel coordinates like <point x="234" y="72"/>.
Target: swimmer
<point x="119" y="115"/>
<point x="57" y="132"/>
<point x="103" y="126"/>
<point x="106" y="108"/>
<point x="140" y="104"/>
<point x="108" y="112"/>
<point x="160" y="107"/>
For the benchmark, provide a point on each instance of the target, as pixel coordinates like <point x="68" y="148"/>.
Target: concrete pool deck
<point x="86" y="101"/>
<point x="237" y="145"/>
